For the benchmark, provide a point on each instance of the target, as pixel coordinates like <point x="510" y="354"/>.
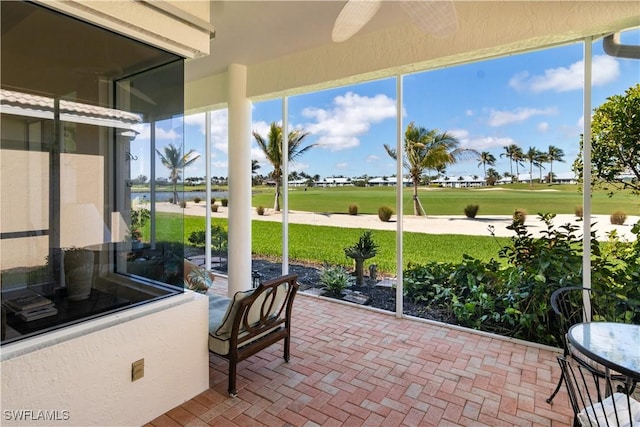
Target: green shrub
<point x="353" y="209"/>
<point x="183" y="204"/>
<point x="335" y="278"/>
<point x="213" y="200"/>
<point x="260" y="210"/>
<point x="214" y="208"/>
<point x="170" y="200"/>
<point x="471" y="210"/>
<point x="519" y="216"/>
<point x="225" y="202"/>
<point x="579" y="211"/>
<point x="618" y="218"/>
<point x="196" y="199"/>
<point x="385" y="213"/>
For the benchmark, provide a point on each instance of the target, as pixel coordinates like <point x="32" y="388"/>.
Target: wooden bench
<point x="241" y="326"/>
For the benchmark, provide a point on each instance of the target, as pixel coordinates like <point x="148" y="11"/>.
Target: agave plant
<point x="364" y="249"/>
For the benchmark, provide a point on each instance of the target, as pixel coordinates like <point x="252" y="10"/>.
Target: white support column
<point x="285" y="186"/>
<point x="586" y="178"/>
<point x="239" y="259"/>
<point x="207" y="174"/>
<point x="399" y="200"/>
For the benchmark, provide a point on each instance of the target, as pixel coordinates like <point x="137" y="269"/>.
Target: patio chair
<point x="568" y="306"/>
<point x="251" y="321"/>
<point x="589" y="390"/>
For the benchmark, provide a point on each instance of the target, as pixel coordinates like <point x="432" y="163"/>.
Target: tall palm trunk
<point x="276" y="203"/>
<point x="175" y="191"/>
<point x="416" y="203"/>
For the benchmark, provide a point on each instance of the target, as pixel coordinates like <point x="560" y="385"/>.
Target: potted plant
<point x="78" y="273"/>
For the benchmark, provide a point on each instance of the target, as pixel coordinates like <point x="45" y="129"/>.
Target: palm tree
<point x="427" y="149"/>
<point x="175" y="161"/>
<point x="518" y="157"/>
<point x="554" y="154"/>
<point x="272" y="149"/>
<point x="509" y="153"/>
<point x="486" y="158"/>
<point x="492" y="176"/>
<point x="540" y="161"/>
<point x="255" y="165"/>
<point x="535" y="158"/>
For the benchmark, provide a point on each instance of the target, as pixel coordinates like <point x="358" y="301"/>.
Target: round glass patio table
<point x="613" y="345"/>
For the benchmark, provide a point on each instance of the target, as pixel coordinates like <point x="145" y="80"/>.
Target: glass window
<point x="77" y="108"/>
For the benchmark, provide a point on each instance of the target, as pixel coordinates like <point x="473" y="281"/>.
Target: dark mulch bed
<point x="309" y="277"/>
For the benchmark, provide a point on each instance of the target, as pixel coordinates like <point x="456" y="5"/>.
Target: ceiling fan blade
<point x="434" y="17"/>
<point x="353" y="16"/>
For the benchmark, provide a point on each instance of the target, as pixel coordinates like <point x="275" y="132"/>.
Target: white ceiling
<point x="249" y="32"/>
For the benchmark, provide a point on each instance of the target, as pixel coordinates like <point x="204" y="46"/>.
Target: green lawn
<point x="319" y="243"/>
<point x="503" y="200"/>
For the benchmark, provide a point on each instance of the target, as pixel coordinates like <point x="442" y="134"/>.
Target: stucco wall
<point x="82" y="375"/>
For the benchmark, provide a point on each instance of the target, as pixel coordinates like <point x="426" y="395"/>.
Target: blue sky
<point x="532" y="99"/>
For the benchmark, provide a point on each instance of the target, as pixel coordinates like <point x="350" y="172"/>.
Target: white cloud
<point x="351" y="116"/>
<point x="298" y="167"/>
<point x="460" y="134"/>
<point x="342" y="165"/>
<point x="469" y="112"/>
<point x="372" y="158"/>
<point x="220" y="130"/>
<point x="605" y="69"/>
<point x="542" y="127"/>
<point x="144" y="133"/>
<point x="486" y="142"/>
<point x="502" y="118"/>
<point x="480" y="142"/>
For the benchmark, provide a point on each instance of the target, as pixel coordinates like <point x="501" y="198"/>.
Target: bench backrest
<point x="262" y="310"/>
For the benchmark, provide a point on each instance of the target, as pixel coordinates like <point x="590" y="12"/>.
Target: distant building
<point x="459" y="181"/>
<point x="388" y="181"/>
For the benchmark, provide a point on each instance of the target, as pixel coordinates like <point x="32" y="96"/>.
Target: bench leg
<point x="232" y="378"/>
<point x="287" y="348"/>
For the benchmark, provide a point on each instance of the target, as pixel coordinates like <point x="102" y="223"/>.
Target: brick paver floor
<point x="352" y="366"/>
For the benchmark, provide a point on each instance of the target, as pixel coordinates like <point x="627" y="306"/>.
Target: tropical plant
<point x="271" y="146"/>
<point x="335" y="278"/>
<point x="353" y="209"/>
<point x="535" y="158"/>
<point x="486" y="158"/>
<point x="492" y="176"/>
<point x="139" y="218"/>
<point x="174" y="160"/>
<point x="255" y="165"/>
<point x="427" y="149"/>
<point x="615" y="151"/>
<point x="219" y="240"/>
<point x="514" y="154"/>
<point x="364" y="249"/>
<point x="554" y="154"/>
